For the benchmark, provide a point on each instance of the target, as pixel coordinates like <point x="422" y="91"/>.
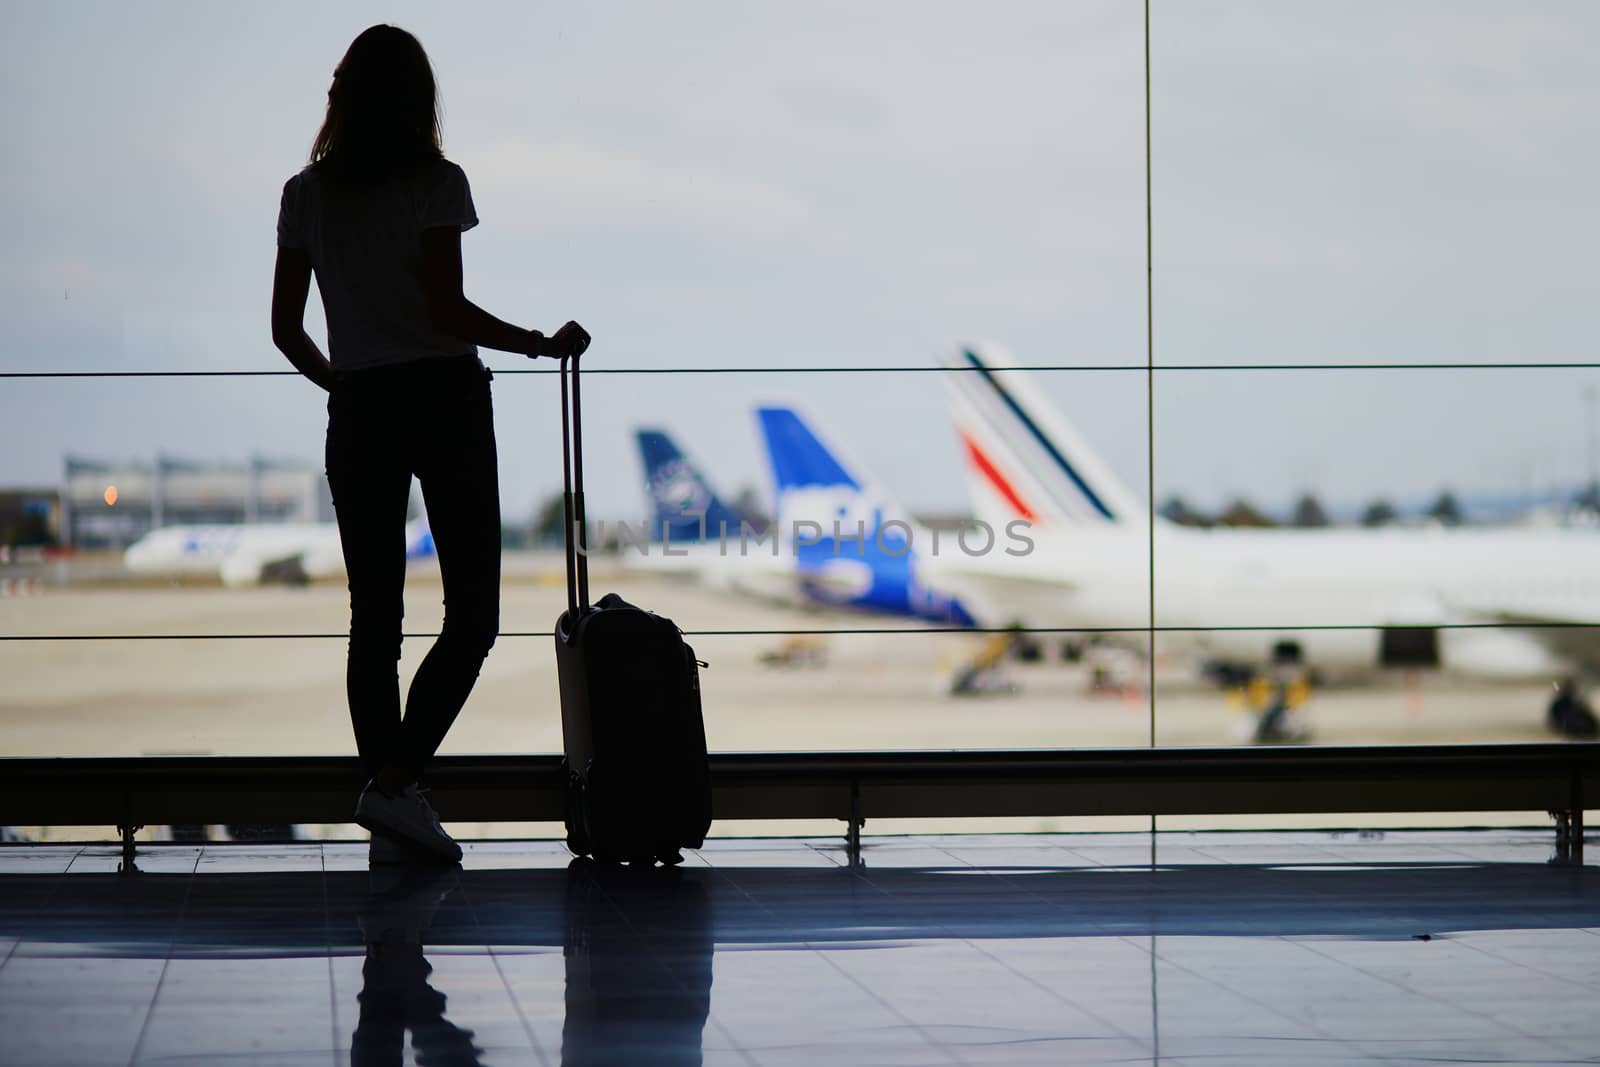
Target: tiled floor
<point x="1197" y="948"/>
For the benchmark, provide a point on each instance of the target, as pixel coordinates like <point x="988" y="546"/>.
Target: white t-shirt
<point x="365" y="247"/>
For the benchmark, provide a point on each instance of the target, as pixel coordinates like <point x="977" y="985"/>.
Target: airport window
<point x="880" y="408"/>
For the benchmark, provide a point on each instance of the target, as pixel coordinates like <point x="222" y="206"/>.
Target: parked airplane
<point x="795" y="561"/>
<point x="684" y="506"/>
<point x="693" y="534"/>
<point x="251" y="553"/>
<point x="1253" y="597"/>
<point x="850" y="543"/>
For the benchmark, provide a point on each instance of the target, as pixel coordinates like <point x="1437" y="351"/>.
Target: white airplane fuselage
<point x="238" y="553"/>
<point x="1282" y="584"/>
<point x="248" y="553"/>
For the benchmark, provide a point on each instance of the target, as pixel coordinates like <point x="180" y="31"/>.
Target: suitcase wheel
<point x="576" y="815"/>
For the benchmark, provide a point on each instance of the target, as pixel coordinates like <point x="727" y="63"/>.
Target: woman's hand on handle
<point x="570" y="340"/>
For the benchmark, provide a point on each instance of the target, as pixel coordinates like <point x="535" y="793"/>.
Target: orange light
<point x="111" y="496"/>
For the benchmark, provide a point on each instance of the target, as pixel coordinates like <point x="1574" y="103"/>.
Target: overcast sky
<point x="734" y="184"/>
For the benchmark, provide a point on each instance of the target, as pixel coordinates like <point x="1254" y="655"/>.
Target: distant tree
<point x="1308" y="512"/>
<point x="747" y="502"/>
<point x="1379" y="513"/>
<point x="1587" y="498"/>
<point x="1242" y="513"/>
<point x="1177" y="510"/>
<point x="1445" y="510"/>
<point x="548" y="521"/>
<point x="24" y="520"/>
<point x="35" y="530"/>
<point x="19" y="533"/>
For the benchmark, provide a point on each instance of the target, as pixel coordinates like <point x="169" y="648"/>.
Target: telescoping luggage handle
<point x="575" y="538"/>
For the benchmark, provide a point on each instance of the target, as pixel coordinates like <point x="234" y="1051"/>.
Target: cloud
<point x="1512" y="85"/>
<point x="717" y="183"/>
<point x="588" y="185"/>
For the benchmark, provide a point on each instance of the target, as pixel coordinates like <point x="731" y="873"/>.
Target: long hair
<point x="383" y="110"/>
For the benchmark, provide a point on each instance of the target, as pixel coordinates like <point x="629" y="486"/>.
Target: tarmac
<point x="113" y="668"/>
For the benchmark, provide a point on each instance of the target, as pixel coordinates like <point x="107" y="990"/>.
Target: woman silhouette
<point x="378" y="216"/>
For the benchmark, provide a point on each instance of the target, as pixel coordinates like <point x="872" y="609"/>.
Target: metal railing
<point x="131" y="792"/>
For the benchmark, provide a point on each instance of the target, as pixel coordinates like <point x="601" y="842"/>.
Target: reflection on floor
<point x="1216" y="947"/>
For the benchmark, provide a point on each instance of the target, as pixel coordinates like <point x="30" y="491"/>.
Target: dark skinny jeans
<point x="433" y="419"/>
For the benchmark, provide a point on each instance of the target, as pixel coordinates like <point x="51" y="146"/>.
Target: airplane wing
<point x="1569" y="630"/>
<point x="1005" y="580"/>
<point x="998" y="592"/>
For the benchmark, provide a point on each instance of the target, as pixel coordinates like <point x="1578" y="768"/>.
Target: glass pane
<point x="1375" y="557"/>
<point x="767" y="192"/>
<point x="1335" y="185"/>
<point x="1407" y="184"/>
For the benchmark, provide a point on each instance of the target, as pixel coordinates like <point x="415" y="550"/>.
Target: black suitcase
<point x="638" y="785"/>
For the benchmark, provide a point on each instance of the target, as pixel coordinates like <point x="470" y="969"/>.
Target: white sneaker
<point x="406" y="815"/>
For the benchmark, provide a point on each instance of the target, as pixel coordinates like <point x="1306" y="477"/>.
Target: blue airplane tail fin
<point x="682" y="503"/>
<point x="851" y="545"/>
<point x="799" y="459"/>
<point x="419" y="538"/>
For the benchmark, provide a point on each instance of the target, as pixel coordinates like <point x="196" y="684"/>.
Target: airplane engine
<point x="1408" y="646"/>
<point x="1338" y="652"/>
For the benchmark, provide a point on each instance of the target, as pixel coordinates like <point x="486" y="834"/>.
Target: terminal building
<point x="111" y="504"/>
